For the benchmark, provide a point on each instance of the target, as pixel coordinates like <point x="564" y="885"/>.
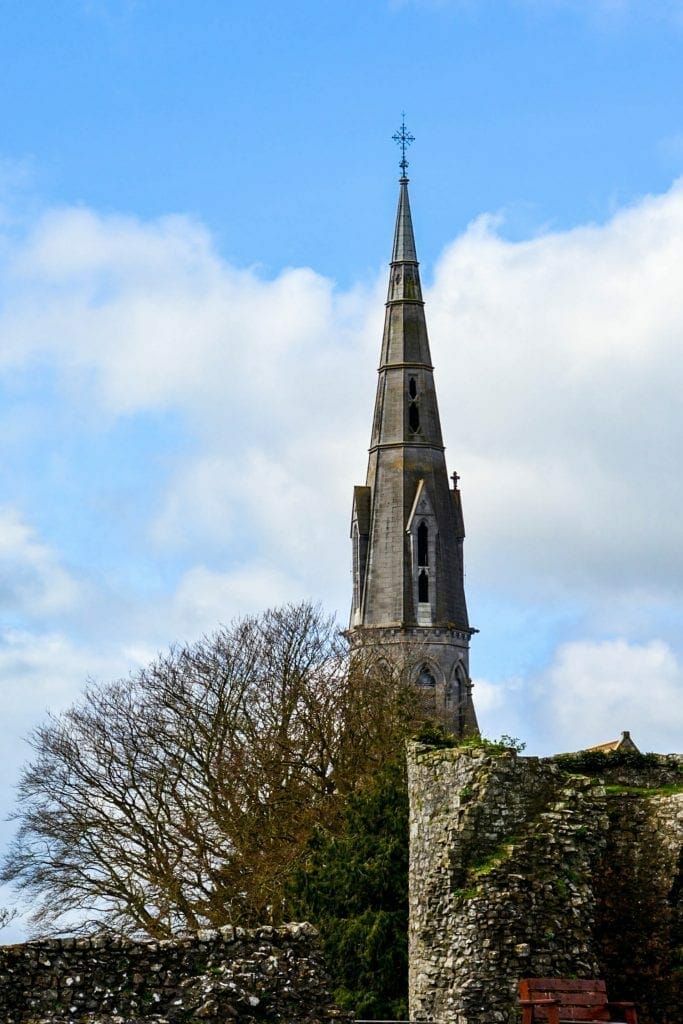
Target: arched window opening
<point x="414" y="417"/>
<point x="426" y="678"/>
<point x="423" y="588"/>
<point x="422" y="544"/>
<point x="412" y="388"/>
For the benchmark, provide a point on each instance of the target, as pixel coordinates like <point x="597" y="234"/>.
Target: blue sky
<point x="196" y="209"/>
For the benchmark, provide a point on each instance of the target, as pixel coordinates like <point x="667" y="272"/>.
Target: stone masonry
<point x="231" y="974"/>
<point x="523" y="867"/>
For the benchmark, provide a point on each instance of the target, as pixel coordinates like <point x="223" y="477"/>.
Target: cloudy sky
<point x="196" y="210"/>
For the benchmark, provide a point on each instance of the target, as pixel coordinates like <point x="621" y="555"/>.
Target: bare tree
<point x="7" y="915"/>
<point x="182" y="796"/>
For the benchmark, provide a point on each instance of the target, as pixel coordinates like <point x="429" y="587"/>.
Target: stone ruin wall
<point x="228" y="975"/>
<point x="520" y="867"/>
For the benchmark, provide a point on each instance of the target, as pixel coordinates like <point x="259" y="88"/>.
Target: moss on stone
<point x="487" y="864"/>
<point x="646" y="791"/>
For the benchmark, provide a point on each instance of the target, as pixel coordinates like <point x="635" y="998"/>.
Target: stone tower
<point x="407" y="526"/>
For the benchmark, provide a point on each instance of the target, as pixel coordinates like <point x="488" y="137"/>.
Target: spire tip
<point x="403" y="138"/>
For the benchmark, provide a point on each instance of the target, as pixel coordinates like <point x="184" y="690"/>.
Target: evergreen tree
<point x="354" y="887"/>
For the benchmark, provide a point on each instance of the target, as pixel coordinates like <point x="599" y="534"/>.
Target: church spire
<point x="407" y="526"/>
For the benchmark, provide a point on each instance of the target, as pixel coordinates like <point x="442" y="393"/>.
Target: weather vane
<point x="403" y="138"/>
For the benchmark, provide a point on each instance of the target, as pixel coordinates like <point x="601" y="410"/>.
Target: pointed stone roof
<point x="407" y="526"/>
<point x="406" y="466"/>
<point x="404" y="239"/>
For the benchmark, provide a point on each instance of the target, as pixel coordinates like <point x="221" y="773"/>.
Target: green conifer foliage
<point x="354" y="887"/>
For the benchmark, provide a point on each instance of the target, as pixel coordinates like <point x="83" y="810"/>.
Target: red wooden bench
<point x="556" y="1000"/>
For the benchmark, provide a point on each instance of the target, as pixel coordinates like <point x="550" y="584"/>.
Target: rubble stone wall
<point x="524" y="867"/>
<point x="227" y="975"/>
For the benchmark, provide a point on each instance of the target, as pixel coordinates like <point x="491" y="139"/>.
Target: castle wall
<point x="225" y="975"/>
<point x="524" y="867"/>
<point x="639" y="931"/>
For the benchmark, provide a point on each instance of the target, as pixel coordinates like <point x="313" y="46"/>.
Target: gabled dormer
<point x="360" y="532"/>
<point x="422" y="529"/>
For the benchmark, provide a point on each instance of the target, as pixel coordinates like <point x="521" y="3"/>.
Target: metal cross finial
<point x="403" y="138"/>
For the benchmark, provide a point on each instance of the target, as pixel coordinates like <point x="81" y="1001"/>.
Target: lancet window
<point x="423" y="587"/>
<point x="413" y="407"/>
<point x="423" y="544"/>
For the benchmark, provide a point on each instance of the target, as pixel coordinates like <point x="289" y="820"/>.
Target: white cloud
<point x="206" y="598"/>
<point x="595" y="689"/>
<point x="560" y="369"/>
<point x="588" y="694"/>
<point x="502" y="708"/>
<point x="279" y="506"/>
<point x="137" y="317"/>
<point x="32" y="581"/>
<point x="41" y="671"/>
<point x="492" y="697"/>
<point x="150" y="316"/>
